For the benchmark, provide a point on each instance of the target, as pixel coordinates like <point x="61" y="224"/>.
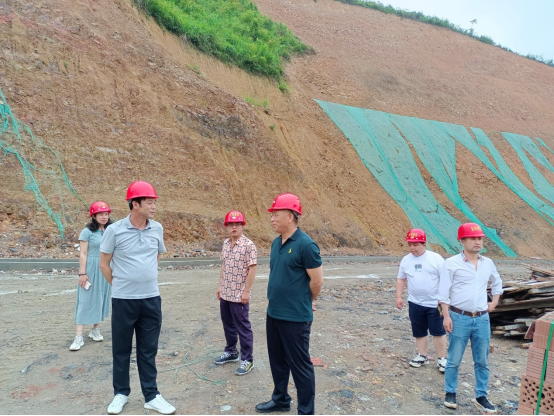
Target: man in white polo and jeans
<point x="421" y="269"/>
<point x="463" y="296"/>
<point x="129" y="255"/>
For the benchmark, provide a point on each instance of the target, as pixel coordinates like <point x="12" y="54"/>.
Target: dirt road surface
<point x="357" y="331"/>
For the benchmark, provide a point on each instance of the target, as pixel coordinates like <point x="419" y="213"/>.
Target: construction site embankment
<point x="120" y="99"/>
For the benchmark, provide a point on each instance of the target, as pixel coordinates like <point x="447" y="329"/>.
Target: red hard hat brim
<point x="99" y="212"/>
<point x="471" y="236"/>
<point x="282" y="209"/>
<point x="143" y="196"/>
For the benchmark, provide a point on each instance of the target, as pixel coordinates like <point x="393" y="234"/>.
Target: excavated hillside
<point x="120" y="100"/>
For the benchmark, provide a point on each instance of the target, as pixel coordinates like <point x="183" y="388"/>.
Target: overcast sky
<point x="523" y="26"/>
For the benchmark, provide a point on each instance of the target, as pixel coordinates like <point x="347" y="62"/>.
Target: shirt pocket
<point x="152" y="242"/>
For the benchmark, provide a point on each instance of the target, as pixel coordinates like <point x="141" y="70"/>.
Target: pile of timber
<point x="522" y="303"/>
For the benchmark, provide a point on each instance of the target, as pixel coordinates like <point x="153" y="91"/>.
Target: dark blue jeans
<point x="236" y="324"/>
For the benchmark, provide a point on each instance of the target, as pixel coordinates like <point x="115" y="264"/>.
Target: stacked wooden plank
<point x="522" y="303"/>
<point x="531" y="380"/>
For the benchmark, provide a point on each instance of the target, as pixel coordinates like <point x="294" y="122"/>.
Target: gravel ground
<point x="363" y="340"/>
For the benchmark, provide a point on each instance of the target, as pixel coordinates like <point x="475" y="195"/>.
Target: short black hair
<point x="295" y="215"/>
<point x="137" y="200"/>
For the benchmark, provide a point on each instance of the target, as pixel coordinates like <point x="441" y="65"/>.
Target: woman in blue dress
<point x="93" y="291"/>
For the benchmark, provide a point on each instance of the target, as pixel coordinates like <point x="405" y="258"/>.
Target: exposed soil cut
<point x="120" y="100"/>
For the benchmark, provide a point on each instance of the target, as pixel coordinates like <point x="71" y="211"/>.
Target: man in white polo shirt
<point x="463" y="296"/>
<point x="421" y="269"/>
<point x="133" y="246"/>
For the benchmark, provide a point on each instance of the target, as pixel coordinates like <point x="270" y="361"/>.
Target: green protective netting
<point x="505" y="174"/>
<point x="437" y="151"/>
<point x="43" y="170"/>
<point x="523" y="145"/>
<point x="380" y="140"/>
<point x="387" y="155"/>
<point x="543" y="144"/>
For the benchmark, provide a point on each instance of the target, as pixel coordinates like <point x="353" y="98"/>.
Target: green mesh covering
<point x="506" y="175"/>
<point x="543" y="144"/>
<point x="42" y="167"/>
<point x="523" y="145"/>
<point x="380" y="140"/>
<point x="437" y="151"/>
<point x="387" y="155"/>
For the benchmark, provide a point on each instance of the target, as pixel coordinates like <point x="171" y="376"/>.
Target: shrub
<point x="256" y="103"/>
<point x="233" y="31"/>
<point x="284" y="87"/>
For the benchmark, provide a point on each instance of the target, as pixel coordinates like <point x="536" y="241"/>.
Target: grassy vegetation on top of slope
<point x="233" y="31"/>
<point x="436" y="21"/>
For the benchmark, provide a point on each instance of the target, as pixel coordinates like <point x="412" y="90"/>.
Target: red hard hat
<point x="140" y="189"/>
<point x="470" y="229"/>
<point x="415" y="235"/>
<point x="287" y="201"/>
<point x="234" y="216"/>
<point x="99" y="206"/>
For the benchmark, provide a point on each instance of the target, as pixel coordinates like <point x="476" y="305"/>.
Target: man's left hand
<point x="245" y="298"/>
<point x="491" y="306"/>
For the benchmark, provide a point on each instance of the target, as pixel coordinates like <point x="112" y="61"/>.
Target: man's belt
<point x="472" y="314"/>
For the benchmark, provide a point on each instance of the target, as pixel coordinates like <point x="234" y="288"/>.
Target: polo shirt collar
<point x="128" y="224"/>
<point x="464" y="258"/>
<point x="294" y="235"/>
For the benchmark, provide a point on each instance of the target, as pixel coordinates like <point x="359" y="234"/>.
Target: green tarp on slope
<point x="523" y="145"/>
<point x="380" y="140"/>
<point x="387" y="155"/>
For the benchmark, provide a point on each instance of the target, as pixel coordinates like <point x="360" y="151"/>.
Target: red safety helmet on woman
<point x="286" y="201"/>
<point x="99" y="206"/>
<point x="140" y="189"/>
<point x="234" y="216"/>
<point x="470" y="229"/>
<point x="416" y="235"/>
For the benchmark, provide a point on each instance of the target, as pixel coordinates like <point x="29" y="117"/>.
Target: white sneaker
<point x="116" y="406"/>
<point x="441" y="364"/>
<point x="96" y="335"/>
<point x="78" y="342"/>
<point x="160" y="405"/>
<point x="419" y="360"/>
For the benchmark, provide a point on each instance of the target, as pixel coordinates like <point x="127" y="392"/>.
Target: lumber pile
<point x="531" y="380"/>
<point x="522" y="303"/>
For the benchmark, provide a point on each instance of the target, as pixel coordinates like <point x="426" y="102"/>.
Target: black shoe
<point x="450" y="401"/>
<point x="483" y="404"/>
<point x="271" y="406"/>
<point x="227" y="358"/>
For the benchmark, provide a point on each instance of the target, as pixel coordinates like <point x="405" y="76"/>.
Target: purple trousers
<point x="236" y="324"/>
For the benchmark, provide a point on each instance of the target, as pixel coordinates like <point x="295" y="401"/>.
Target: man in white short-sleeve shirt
<point x="421" y="269"/>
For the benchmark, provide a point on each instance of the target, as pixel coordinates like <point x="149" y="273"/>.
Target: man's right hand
<point x="218" y="293"/>
<point x="399" y="303"/>
<point x="447" y="323"/>
<point x="83" y="279"/>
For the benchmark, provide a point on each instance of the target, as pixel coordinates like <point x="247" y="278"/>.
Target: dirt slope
<point x="121" y="100"/>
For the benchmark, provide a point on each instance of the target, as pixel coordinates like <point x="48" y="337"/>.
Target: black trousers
<point x="142" y="317"/>
<point x="288" y="345"/>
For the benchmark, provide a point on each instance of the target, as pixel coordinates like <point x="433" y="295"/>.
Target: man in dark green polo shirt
<point x="295" y="280"/>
